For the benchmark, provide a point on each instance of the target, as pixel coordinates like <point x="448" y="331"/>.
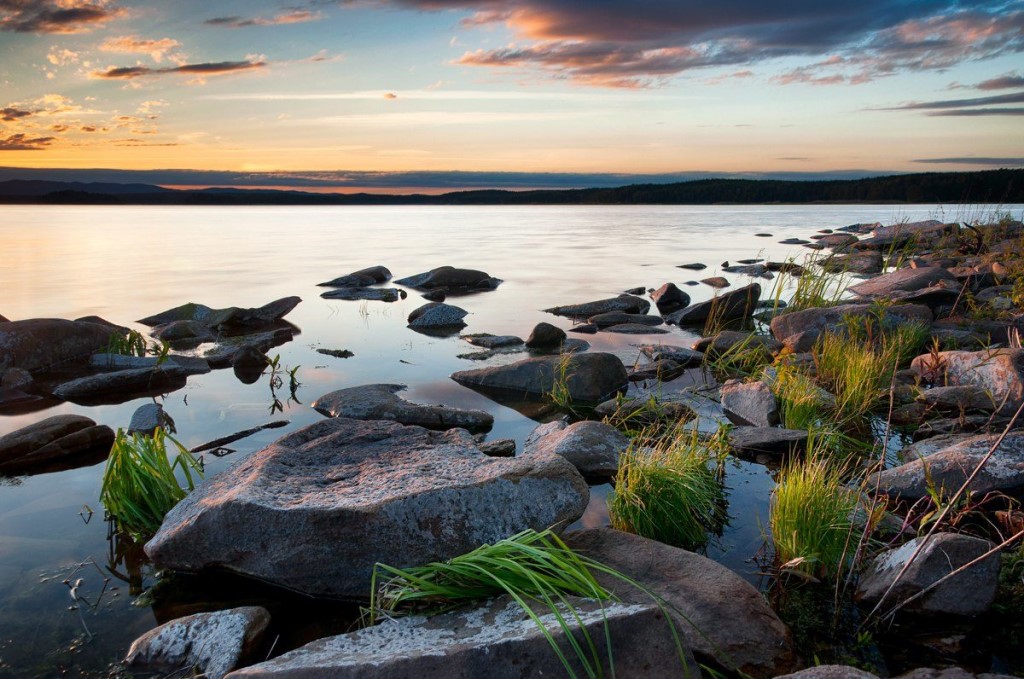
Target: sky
<point x="422" y="93"/>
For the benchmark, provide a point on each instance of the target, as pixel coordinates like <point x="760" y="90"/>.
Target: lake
<point x="125" y="263"/>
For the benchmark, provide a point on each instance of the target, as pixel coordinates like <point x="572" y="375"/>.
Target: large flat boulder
<point x="451" y="279"/>
<point x="41" y="344"/>
<point x="51" y="439"/>
<point x="226" y="318"/>
<point x="968" y="593"/>
<point x="719" y="614"/>
<point x="629" y="304"/>
<point x="997" y="372"/>
<point x="381" y="402"/>
<point x="800" y="330"/>
<point x="901" y="280"/>
<point x="589" y="377"/>
<point x="592" y="447"/>
<point x="948" y="461"/>
<point x="498" y="640"/>
<point x="122" y="385"/>
<point x="318" y="508"/>
<point x="729" y="306"/>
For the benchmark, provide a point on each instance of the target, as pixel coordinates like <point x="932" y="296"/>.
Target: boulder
<point x="360" y="279"/>
<point x="41" y="344"/>
<point x="669" y="298"/>
<point x="836" y="241"/>
<point x="381" y="402"/>
<point x="370" y="294"/>
<point x="181" y="331"/>
<point x="592" y="447"/>
<point x="719" y="615"/>
<point x="896" y="235"/>
<point x="437" y="315"/>
<point x="493" y="341"/>
<point x="768" y="440"/>
<point x="829" y="672"/>
<point x="800" y="330"/>
<point x="751" y="403"/>
<point x="619" y="317"/>
<point x="635" y="329"/>
<point x="249" y="358"/>
<point x="950" y="460"/>
<point x="686" y="358"/>
<point x="726" y="340"/>
<point x="729" y="306"/>
<point x="997" y="372"/>
<point x="544" y="336"/>
<point x="497" y="640"/>
<point x="231" y="317"/>
<point x="148" y="417"/>
<point x="55" y="438"/>
<point x="122" y="385"/>
<point x="857" y="262"/>
<point x="968" y="593"/>
<point x="211" y="644"/>
<point x="589" y="377"/>
<point x="625" y="303"/>
<point x="901" y="280"/>
<point x="16" y="378"/>
<point x="316" y="510"/>
<point x="221" y="354"/>
<point x="662" y="369"/>
<point x="451" y="279"/>
<point x="498" y="447"/>
<point x="753" y="270"/>
<point x="957" y="399"/>
<point x="694" y="266"/>
<point x="716" y="282"/>
<point x="188" y="364"/>
<point x="949" y="673"/>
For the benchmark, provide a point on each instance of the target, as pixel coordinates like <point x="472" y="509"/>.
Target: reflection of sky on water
<point x="128" y="262"/>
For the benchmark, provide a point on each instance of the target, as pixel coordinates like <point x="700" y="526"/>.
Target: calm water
<point x="124" y="263"/>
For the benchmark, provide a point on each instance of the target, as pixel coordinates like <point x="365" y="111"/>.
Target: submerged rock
<point x="669" y="298"/>
<point x="183" y="331"/>
<point x="211" y="644"/>
<point x="317" y="509"/>
<point x="618" y="317"/>
<point x="497" y="640"/>
<point x="829" y="672"/>
<point x="148" y="417"/>
<point x="41" y="344"/>
<point x="122" y="385"/>
<point x="588" y="377"/>
<point x="381" y="402"/>
<point x="189" y="364"/>
<point x="370" y="294"/>
<point x="52" y="439"/>
<point x="222" y="353"/>
<point x="625" y="303"/>
<point x="493" y="341"/>
<point x="360" y="279"/>
<point x="545" y="336"/>
<point x="450" y="279"/>
<point x="770" y="440"/>
<point x="968" y="593"/>
<point x="686" y="358"/>
<point x="718" y="614"/>
<point x="716" y="282"/>
<point x="437" y="315"/>
<point x="592" y="447"/>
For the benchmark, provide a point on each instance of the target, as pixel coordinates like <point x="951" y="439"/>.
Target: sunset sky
<point x="330" y="91"/>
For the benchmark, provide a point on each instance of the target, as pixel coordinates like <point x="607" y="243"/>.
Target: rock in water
<point x="719" y="614"/>
<point x="40" y="344"/>
<point x="451" y="279"/>
<point x="211" y="643"/>
<point x="498" y="640"/>
<point x="589" y="377"/>
<point x="381" y="402"/>
<point x="317" y="509"/>
<point x="230" y="317"/>
<point x="669" y="298"/>
<point x="52" y="439"/>
<point x="360" y="279"/>
<point x="751" y="404"/>
<point x="800" y="330"/>
<point x="968" y="593"/>
<point x="437" y="315"/>
<point x="625" y="303"/>
<point x="740" y="303"/>
<point x="544" y="336"/>
<point x="592" y="447"/>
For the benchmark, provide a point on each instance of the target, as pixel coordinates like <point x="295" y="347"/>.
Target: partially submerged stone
<point x="437" y="315"/>
<point x="451" y="279"/>
<point x="635" y="329"/>
<point x="618" y="317"/>
<point x="228" y="317"/>
<point x="493" y="341"/>
<point x="545" y="336"/>
<point x="625" y="303"/>
<point x="360" y="279"/>
<point x="53" y="439"/>
<point x="497" y="640"/>
<point x="587" y="377"/>
<point x="768" y="440"/>
<point x="42" y="344"/>
<point x="381" y="402"/>
<point x="148" y="417"/>
<point x="592" y="447"/>
<point x="686" y="358"/>
<point x="212" y="644"/>
<point x="751" y="403"/>
<point x="968" y="593"/>
<point x="669" y="298"/>
<point x="122" y="385"/>
<point x="369" y="294"/>
<point x="317" y="509"/>
<point x="730" y="306"/>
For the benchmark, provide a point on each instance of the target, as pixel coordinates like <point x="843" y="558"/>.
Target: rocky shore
<point x="931" y="449"/>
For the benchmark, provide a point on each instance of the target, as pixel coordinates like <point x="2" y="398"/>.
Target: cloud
<point x="130" y="44"/>
<point x="12" y="113"/>
<point x="975" y="112"/>
<point x="60" y="57"/>
<point x="56" y="16"/>
<point x="973" y="160"/>
<point x="1004" y="82"/>
<point x="618" y="43"/>
<point x="1012" y="98"/>
<point x="21" y="142"/>
<point x="296" y="16"/>
<point x="203" y="69"/>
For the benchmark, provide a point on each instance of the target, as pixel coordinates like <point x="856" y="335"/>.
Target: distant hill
<point x="990" y="186"/>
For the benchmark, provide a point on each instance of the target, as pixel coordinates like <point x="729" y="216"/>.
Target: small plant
<point x="130" y="344"/>
<point x="140" y="482"/>
<point x="815" y="288"/>
<point x="666" y="490"/>
<point x="532" y="568"/>
<point x="742" y="359"/>
<point x="560" y="393"/>
<point x="811" y="517"/>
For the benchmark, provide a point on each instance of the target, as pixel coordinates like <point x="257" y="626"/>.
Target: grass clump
<point x="811" y="518"/>
<point x="531" y="567"/>
<point x="140" y="482"/>
<point x="668" y="491"/>
<point x="130" y="344"/>
<point x="742" y="359"/>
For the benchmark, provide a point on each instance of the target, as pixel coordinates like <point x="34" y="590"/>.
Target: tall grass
<point x="130" y="344"/>
<point x="811" y="518"/>
<point x="532" y="568"/>
<point x="814" y="288"/>
<point x="668" y="491"/>
<point x="742" y="359"/>
<point x="140" y="483"/>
